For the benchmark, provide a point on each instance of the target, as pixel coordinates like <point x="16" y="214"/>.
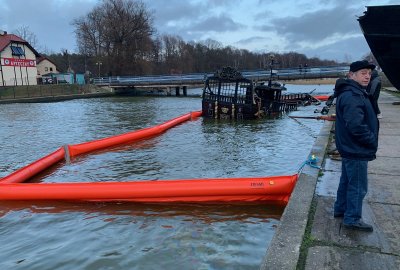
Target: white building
<point x="17" y="61"/>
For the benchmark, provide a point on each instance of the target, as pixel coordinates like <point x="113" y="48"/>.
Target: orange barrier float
<point x="322" y="97"/>
<point x="273" y="189"/>
<point x="23" y="174"/>
<point x="83" y="148"/>
<point x="34" y="168"/>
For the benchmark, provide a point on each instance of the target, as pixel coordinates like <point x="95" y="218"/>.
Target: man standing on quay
<point x="356" y="136"/>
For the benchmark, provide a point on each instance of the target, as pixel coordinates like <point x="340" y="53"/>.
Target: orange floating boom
<point x="274" y="189"/>
<point x="87" y="147"/>
<point x="320" y="117"/>
<point x="23" y="174"/>
<point x="322" y="97"/>
<point x="271" y="189"/>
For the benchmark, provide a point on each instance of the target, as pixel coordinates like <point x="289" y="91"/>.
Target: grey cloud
<point x="316" y="26"/>
<point x="50" y="23"/>
<point x="174" y="10"/>
<point x="222" y="3"/>
<point x="351" y="49"/>
<point x="192" y="17"/>
<point x="222" y="23"/>
<point x="263" y="2"/>
<point x="251" y="39"/>
<point x="51" y="20"/>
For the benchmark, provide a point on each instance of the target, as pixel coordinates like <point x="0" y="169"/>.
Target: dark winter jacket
<point x="357" y="127"/>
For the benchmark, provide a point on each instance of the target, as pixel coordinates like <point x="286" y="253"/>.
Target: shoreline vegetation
<point x="385" y="82"/>
<point x="13" y="93"/>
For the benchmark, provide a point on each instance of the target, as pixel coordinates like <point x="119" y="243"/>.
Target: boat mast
<point x="271" y="64"/>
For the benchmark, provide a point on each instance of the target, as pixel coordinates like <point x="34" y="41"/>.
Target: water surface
<point x="71" y="235"/>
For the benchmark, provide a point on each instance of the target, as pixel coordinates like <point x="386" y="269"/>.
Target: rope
<point x="311" y="161"/>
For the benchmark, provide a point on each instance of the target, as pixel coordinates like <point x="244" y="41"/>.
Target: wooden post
<point x="177" y="91"/>
<point x="184" y="89"/>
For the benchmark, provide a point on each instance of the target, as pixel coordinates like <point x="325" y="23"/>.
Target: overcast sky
<point x="327" y="29"/>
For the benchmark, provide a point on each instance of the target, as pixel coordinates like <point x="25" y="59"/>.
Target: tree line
<point x="117" y="38"/>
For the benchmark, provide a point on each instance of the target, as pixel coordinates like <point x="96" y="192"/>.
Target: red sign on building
<point x="18" y="62"/>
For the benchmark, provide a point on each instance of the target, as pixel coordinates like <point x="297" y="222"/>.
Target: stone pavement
<point x="324" y="243"/>
<point x="333" y="246"/>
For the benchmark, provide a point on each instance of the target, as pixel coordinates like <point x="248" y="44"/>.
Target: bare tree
<point x="119" y="36"/>
<point x="25" y="33"/>
<point x="116" y="32"/>
<point x="89" y="32"/>
<point x="212" y="44"/>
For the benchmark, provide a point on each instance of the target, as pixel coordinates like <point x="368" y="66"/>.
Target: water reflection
<point x="53" y="235"/>
<point x="206" y="212"/>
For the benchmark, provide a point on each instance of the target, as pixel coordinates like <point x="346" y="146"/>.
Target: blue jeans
<point x="353" y="187"/>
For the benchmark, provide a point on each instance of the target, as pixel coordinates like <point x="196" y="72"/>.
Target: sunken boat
<point x="229" y="95"/>
<point x="381" y="29"/>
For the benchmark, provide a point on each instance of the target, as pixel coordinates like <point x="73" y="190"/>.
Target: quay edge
<point x="284" y="249"/>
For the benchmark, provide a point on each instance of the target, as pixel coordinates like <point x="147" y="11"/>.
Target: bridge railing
<point x="193" y="78"/>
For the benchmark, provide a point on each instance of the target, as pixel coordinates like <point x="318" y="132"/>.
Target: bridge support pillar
<point x="184" y="89"/>
<point x="177" y="91"/>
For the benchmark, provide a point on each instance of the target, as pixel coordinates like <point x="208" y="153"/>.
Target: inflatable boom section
<point x="322" y="97"/>
<point x="83" y="148"/>
<point x="68" y="151"/>
<point x="34" y="168"/>
<point x="271" y="189"/>
<point x="268" y="189"/>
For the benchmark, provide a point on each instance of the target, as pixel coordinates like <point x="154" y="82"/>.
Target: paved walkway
<point x="325" y="244"/>
<point x="333" y="246"/>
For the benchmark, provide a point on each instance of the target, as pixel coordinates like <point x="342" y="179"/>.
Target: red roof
<point x="42" y="58"/>
<point x="6" y="39"/>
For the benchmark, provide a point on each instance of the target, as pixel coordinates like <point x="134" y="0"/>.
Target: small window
<point x="18" y="51"/>
<point x="51" y="69"/>
<point x="46" y="69"/>
<point x="21" y="51"/>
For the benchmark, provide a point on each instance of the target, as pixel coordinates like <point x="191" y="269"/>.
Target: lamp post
<point x="99" y="64"/>
<point x="271" y="65"/>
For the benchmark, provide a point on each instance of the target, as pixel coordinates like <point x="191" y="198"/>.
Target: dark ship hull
<point x="381" y="28"/>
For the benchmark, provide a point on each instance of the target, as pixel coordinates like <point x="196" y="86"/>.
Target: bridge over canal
<point x="169" y="82"/>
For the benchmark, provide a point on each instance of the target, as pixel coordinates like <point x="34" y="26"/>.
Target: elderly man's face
<point x="361" y="76"/>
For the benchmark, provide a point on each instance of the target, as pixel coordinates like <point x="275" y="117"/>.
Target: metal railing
<point x="197" y="78"/>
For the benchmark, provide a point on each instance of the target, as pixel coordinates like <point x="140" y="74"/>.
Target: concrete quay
<point x="309" y="237"/>
<point x="56" y="98"/>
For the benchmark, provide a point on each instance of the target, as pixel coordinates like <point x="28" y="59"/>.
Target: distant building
<point x="17" y="61"/>
<point x="62" y="78"/>
<point x="46" y="70"/>
<point x="44" y="66"/>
